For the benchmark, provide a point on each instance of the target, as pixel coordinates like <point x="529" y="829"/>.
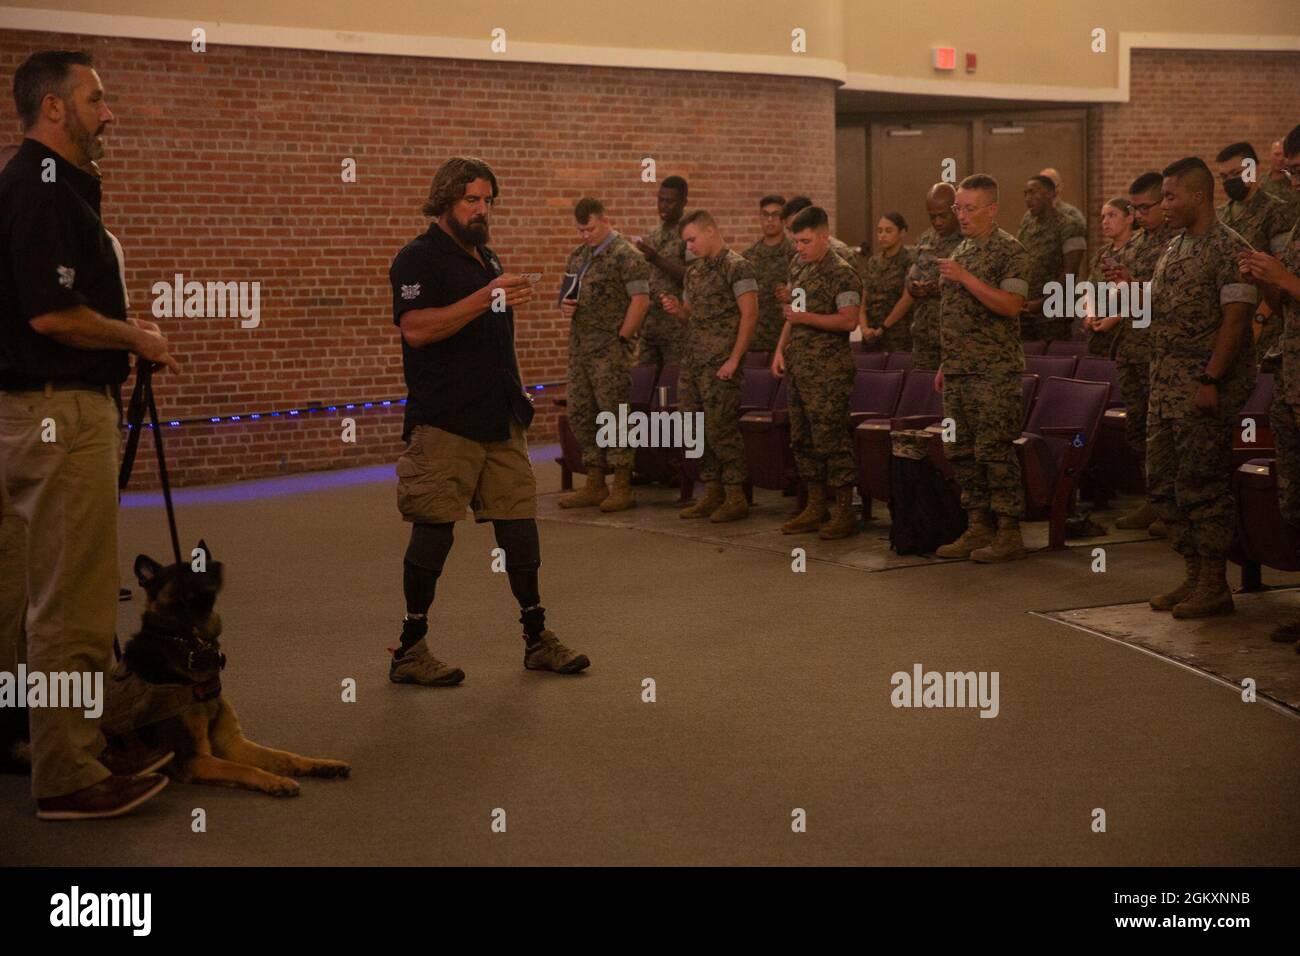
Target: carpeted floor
<point x="773" y="692"/>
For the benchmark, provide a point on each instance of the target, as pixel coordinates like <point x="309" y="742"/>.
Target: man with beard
<point x="661" y="335"/>
<point x="64" y="343"/>
<point x="466" y="413"/>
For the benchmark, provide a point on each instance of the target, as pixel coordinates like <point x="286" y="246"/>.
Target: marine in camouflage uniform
<point x="1263" y="221"/>
<point x="1284" y="416"/>
<point x="1103" y="343"/>
<point x="1189" y="453"/>
<point x="1047" y="240"/>
<point x="1073" y="215"/>
<point x="982" y="366"/>
<point x="821" y="369"/>
<point x="771" y="268"/>
<point x="883" y="279"/>
<point x="712" y="289"/>
<point x="930" y="248"/>
<point x="600" y="374"/>
<point x="661" y="335"/>
<point x="1281" y="190"/>
<point x="1133" y="353"/>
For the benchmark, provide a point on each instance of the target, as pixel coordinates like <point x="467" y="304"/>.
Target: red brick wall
<point x="225" y="165"/>
<point x="1189" y="103"/>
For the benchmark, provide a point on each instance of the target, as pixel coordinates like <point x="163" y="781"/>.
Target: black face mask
<point x="1236" y="189"/>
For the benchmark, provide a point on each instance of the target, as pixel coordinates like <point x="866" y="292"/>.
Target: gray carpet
<point x="773" y="693"/>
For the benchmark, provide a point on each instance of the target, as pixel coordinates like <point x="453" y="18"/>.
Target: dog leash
<point x="142" y="399"/>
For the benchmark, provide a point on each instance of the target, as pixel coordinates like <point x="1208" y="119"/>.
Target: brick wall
<point x="225" y="166"/>
<point x="1189" y="103"/>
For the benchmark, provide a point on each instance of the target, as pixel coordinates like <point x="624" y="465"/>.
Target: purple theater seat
<point x="899" y="360"/>
<point x="1263" y="538"/>
<point x="1067" y="347"/>
<point x="1048" y="366"/>
<point x="919" y="406"/>
<point x="1036" y="347"/>
<point x="869" y="360"/>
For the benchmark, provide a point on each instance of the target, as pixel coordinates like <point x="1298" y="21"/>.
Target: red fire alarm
<point x="945" y="58"/>
<point x="970" y="62"/>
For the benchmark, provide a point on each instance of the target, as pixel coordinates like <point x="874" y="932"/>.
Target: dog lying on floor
<point x="165" y="693"/>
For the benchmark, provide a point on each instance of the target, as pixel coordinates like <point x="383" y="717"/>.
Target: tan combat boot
<point x="1166" y="601"/>
<point x="734" y="508"/>
<point x="813" y="514"/>
<point x="620" y="494"/>
<point x="978" y="534"/>
<point x="592" y="493"/>
<point x="844" y="521"/>
<point x="1007" y="544"/>
<point x="710" y="503"/>
<point x="1212" y="595"/>
<point x="1140" y="517"/>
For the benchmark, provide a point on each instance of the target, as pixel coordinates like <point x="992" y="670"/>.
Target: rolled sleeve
<point x="1015" y="286"/>
<point x="1074" y="244"/>
<point x="637" y="287"/>
<point x="741" y="286"/>
<point x="846" y="299"/>
<point x="1238" y="292"/>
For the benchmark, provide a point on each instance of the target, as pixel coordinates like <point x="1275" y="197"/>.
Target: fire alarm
<point x="945" y="58"/>
<point x="970" y="62"/>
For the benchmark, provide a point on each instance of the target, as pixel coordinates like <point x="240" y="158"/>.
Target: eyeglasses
<point x="1144" y="207"/>
<point x="770" y="215"/>
<point x="969" y="210"/>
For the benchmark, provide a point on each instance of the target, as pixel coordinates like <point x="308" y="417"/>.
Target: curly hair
<point x="451" y="179"/>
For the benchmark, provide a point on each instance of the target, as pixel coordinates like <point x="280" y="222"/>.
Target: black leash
<point x="141" y="399"/>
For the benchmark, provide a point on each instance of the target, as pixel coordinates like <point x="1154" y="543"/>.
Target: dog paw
<point x="330" y="768"/>
<point x="283" y="787"/>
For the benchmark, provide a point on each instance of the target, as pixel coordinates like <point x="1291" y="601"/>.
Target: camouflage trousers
<point x="598" y="382"/>
<point x="1135" y="389"/>
<point x="821" y="389"/>
<point x="767" y="333"/>
<point x="986" y="412"/>
<point x="700" y="390"/>
<point x="1285" y="421"/>
<point x="1189" y="476"/>
<point x="661" y="339"/>
<point x="925" y="344"/>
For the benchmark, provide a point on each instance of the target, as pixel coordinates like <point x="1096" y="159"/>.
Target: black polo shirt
<point x="468" y="383"/>
<point x="54" y="255"/>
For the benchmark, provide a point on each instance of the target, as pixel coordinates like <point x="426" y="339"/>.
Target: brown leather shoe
<point x="111" y="797"/>
<point x="134" y="761"/>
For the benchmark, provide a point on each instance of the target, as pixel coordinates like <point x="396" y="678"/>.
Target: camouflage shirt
<point x="1047" y="241"/>
<point x="1194" y="279"/>
<point x="1140" y="257"/>
<point x="838" y="246"/>
<point x="971" y="338"/>
<point x="1291" y="311"/>
<point x="1101" y="343"/>
<point x="829" y="284"/>
<point x="930" y="248"/>
<point x="1262" y="220"/>
<point x="1073" y="215"/>
<point x="771" y="268"/>
<point x="614" y="276"/>
<point x="882" y="283"/>
<point x="712" y="288"/>
<point x="665" y="241"/>
<point x="1283" y="191"/>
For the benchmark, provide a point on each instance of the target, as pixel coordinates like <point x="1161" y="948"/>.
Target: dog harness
<point x="133" y="703"/>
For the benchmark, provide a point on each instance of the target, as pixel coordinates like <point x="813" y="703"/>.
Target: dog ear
<point x="146" y="570"/>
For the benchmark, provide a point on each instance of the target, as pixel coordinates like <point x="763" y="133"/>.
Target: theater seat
<point x="660" y="464"/>
<point x="1262" y="536"/>
<point x="767" y="442"/>
<point x="1048" y="366"/>
<point x="869" y="360"/>
<point x="919" y="406"/>
<point x="1055" y="447"/>
<point x="643" y="384"/>
<point x="899" y="360"/>
<point x="1094" y="368"/>
<point x="1028" y="394"/>
<point x="1110" y="470"/>
<point x="758" y="389"/>
<point x="1256" y="409"/>
<point x="757" y="360"/>
<point x="1036" y="347"/>
<point x="875" y="395"/>
<point x="1067" y="347"/>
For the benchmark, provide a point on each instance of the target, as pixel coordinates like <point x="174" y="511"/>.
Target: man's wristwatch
<point x="1208" y="379"/>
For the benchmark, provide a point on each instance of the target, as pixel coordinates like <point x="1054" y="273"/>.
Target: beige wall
<point x="1027" y="50"/>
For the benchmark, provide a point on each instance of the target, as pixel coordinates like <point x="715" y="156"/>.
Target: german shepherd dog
<point x="165" y="693"/>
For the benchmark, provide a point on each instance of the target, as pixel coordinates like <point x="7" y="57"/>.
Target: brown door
<point x="1014" y="149"/>
<point x="850" y="183"/>
<point x="905" y="162"/>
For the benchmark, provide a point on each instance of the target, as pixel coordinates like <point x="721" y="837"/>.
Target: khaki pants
<point x="65" y="493"/>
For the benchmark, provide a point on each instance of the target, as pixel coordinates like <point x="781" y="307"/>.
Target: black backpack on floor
<point x="924" y="506"/>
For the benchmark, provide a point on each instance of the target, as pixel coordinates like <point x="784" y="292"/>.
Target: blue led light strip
<point x="308" y="409"/>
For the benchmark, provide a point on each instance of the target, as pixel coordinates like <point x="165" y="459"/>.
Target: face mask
<point x="1236" y="189"/>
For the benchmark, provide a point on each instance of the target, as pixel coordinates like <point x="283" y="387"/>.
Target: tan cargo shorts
<point x="441" y="474"/>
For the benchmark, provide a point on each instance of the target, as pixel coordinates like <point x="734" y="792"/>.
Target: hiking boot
<point x="1157" y="529"/>
<point x="814" y="512"/>
<point x="1007" y="544"/>
<point x="592" y="493"/>
<point x="1167" y="601"/>
<point x="548" y="654"/>
<point x="1212" y="595"/>
<point x="710" y="503"/>
<point x="134" y="761"/>
<point x="734" y="508"/>
<point x="978" y="534"/>
<point x="418" y="666"/>
<point x="111" y="797"/>
<point x="1287" y="631"/>
<point x="1141" y="517"/>
<point x="620" y="495"/>
<point x="844" y="520"/>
